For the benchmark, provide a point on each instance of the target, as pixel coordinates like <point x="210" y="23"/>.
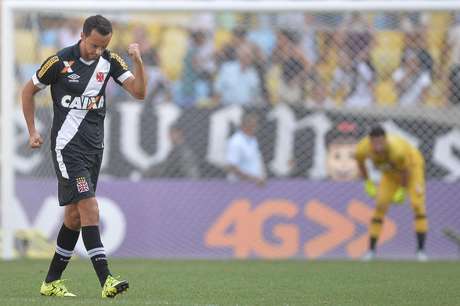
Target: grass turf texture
<point x="197" y="282"/>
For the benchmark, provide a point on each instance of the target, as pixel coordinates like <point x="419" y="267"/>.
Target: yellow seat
<point x="436" y="96"/>
<point x="25" y="44"/>
<point x="386" y="54"/>
<point x="45" y="52"/>
<point x="385" y="93"/>
<point x="154" y="33"/>
<point x="437" y="29"/>
<point x="125" y="37"/>
<point x="221" y="37"/>
<point x="173" y="47"/>
<point x="440" y="20"/>
<point x="273" y="79"/>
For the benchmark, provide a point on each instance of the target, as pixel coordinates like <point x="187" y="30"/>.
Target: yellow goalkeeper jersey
<point x="399" y="154"/>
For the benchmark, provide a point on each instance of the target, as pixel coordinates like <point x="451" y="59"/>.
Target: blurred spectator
<point x="262" y="35"/>
<point x="181" y="162"/>
<point x="244" y="159"/>
<point x="386" y="21"/>
<point x="414" y="21"/>
<point x="308" y="43"/>
<point x="205" y="22"/>
<point x="452" y="57"/>
<point x="415" y="42"/>
<point x="140" y="36"/>
<point x="291" y="20"/>
<point x="411" y="80"/>
<point x="353" y="82"/>
<point x="199" y="67"/>
<point x="328" y="20"/>
<point x="158" y="85"/>
<point x="355" y="37"/>
<point x="49" y="32"/>
<point x="69" y="32"/>
<point x="239" y="38"/>
<point x="294" y="67"/>
<point x="319" y="97"/>
<point x="237" y="81"/>
<point x="229" y="53"/>
<point x="454" y="85"/>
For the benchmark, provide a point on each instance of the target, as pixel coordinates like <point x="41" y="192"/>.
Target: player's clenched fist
<point x="134" y="52"/>
<point x="35" y="140"/>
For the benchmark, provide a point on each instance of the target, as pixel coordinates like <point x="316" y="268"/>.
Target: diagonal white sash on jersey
<point x="75" y="117"/>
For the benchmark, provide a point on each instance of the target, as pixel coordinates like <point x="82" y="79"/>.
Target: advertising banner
<point x="216" y="219"/>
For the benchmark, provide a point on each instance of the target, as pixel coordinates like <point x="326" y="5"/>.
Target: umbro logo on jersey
<point x="73" y="77"/>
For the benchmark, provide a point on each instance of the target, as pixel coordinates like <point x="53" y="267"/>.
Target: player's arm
<point x="400" y="158"/>
<point x="362" y="169"/>
<point x="136" y="84"/>
<point x="401" y="161"/>
<point x="28" y="109"/>
<point x="45" y="75"/>
<point x="405" y="178"/>
<point x="360" y="157"/>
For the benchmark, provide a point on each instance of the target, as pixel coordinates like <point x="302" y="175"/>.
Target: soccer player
<point x="403" y="172"/>
<point x="78" y="76"/>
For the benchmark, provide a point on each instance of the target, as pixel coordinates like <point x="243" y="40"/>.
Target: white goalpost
<point x="9" y="102"/>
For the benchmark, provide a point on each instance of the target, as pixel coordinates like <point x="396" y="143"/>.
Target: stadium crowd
<point x="314" y="60"/>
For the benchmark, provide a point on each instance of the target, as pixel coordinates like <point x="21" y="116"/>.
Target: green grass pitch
<point x="199" y="282"/>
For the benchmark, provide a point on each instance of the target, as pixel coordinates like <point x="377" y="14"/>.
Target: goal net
<point x="316" y="78"/>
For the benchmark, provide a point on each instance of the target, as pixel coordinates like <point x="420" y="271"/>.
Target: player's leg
<point x="387" y="187"/>
<point x="89" y="213"/>
<point x="417" y="197"/>
<point x="66" y="241"/>
<point x="67" y="237"/>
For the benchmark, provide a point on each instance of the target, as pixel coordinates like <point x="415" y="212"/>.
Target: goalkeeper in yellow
<point x="403" y="173"/>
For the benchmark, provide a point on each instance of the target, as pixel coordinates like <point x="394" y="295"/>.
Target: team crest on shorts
<point x="82" y="184"/>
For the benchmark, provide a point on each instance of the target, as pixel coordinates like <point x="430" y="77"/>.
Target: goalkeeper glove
<point x="399" y="196"/>
<point x="370" y="188"/>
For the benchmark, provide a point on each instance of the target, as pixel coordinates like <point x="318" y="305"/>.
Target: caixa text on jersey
<point x="82" y="102"/>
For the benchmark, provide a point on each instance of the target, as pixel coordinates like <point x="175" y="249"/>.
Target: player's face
<point x="379" y="144"/>
<point x="93" y="45"/>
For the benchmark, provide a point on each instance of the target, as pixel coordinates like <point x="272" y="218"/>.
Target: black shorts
<point x="77" y="174"/>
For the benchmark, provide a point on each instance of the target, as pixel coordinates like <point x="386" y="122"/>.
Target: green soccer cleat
<point x="113" y="286"/>
<point x="55" y="288"/>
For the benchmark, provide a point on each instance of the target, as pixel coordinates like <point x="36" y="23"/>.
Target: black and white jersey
<point x="78" y="93"/>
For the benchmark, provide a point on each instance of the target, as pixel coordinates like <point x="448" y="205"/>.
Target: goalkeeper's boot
<point x="55" y="288"/>
<point x="421" y="256"/>
<point x="113" y="286"/>
<point x="369" y="256"/>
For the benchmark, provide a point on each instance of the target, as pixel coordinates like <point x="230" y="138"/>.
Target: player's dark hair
<point x="99" y="23"/>
<point x="377" y="131"/>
